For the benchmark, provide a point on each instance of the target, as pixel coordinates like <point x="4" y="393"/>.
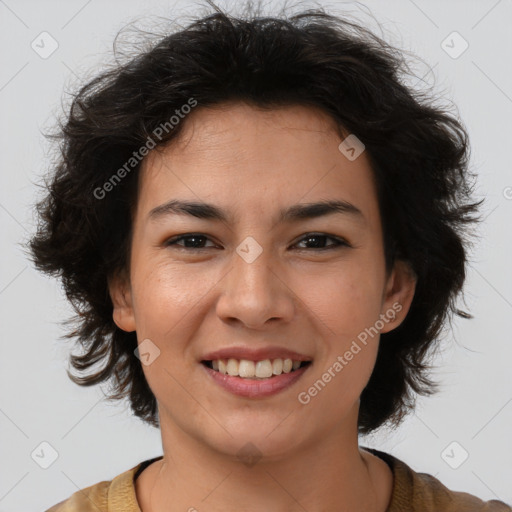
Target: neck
<point x="332" y="473"/>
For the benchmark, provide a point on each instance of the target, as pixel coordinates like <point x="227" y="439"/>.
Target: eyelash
<point x="339" y="241"/>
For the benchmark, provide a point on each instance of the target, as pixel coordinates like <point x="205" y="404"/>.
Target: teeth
<point x="232" y="367"/>
<point x="255" y="370"/>
<point x="263" y="369"/>
<point x="277" y="366"/>
<point x="247" y="368"/>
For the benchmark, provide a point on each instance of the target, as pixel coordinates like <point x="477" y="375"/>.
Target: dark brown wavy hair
<point x="419" y="153"/>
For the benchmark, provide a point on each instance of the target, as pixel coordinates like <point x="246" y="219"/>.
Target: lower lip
<point x="253" y="388"/>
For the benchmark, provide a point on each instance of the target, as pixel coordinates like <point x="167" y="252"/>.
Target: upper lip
<point x="255" y="354"/>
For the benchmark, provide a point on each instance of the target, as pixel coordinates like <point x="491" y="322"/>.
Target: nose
<point x="255" y="293"/>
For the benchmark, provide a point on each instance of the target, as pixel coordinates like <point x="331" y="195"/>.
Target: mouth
<point x="255" y="379"/>
<point x="255" y="370"/>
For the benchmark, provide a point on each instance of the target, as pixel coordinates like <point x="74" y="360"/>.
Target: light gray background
<point x="95" y="440"/>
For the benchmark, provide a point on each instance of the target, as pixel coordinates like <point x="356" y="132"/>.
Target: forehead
<point x="229" y="128"/>
<point x="253" y="159"/>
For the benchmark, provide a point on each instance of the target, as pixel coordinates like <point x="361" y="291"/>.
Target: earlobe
<point x="121" y="296"/>
<point x="398" y="295"/>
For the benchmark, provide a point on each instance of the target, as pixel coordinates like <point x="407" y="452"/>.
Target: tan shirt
<point x="412" y="492"/>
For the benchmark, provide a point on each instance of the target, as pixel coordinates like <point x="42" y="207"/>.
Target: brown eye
<point x="315" y="241"/>
<point x="191" y="241"/>
<point x="318" y="241"/>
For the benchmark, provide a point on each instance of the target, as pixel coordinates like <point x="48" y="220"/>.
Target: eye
<point x="195" y="241"/>
<point x="322" y="237"/>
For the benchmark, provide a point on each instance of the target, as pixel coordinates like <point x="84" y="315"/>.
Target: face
<point x="312" y="284"/>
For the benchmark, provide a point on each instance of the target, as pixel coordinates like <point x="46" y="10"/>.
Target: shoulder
<point x="93" y="498"/>
<point x="116" y="495"/>
<point x="421" y="492"/>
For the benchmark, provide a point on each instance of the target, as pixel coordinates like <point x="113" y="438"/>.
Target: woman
<point x="263" y="231"/>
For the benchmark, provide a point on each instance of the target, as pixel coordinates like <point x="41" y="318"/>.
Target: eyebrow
<point x="294" y="213"/>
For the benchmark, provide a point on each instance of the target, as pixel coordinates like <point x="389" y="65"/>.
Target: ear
<point x="121" y="295"/>
<point x="398" y="295"/>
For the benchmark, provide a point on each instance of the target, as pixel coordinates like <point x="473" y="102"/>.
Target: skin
<point x="189" y="302"/>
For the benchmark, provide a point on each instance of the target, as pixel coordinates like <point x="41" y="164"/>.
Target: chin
<point x="257" y="440"/>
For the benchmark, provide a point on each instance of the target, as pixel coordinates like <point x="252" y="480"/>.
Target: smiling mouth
<point x="255" y="370"/>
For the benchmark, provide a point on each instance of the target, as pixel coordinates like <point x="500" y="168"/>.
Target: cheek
<point x="346" y="306"/>
<point x="168" y="306"/>
<point x="346" y="299"/>
<point x="169" y="300"/>
<point x="157" y="299"/>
